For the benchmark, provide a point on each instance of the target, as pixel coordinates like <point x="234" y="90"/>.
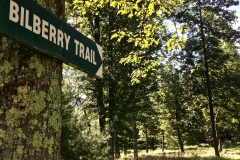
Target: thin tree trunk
<point x="180" y="141"/>
<point x="134" y="128"/>
<point x="100" y="105"/>
<point x="209" y="91"/>
<point x="152" y="143"/>
<point x="101" y="111"/>
<point x="111" y="146"/>
<point x="179" y="135"/>
<point x="30" y="99"/>
<point x="116" y="145"/>
<point x="163" y="141"/>
<point x="146" y="140"/>
<point x="112" y="105"/>
<point x="124" y="149"/>
<point x="112" y="86"/>
<point x="219" y="139"/>
<point x="99" y="82"/>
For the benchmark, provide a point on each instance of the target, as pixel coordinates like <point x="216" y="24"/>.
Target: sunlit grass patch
<point x="150" y="157"/>
<point x="182" y="158"/>
<point x="191" y="153"/>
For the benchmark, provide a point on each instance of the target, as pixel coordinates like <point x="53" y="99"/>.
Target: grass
<point x="191" y="153"/>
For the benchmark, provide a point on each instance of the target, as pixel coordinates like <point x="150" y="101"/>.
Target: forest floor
<point x="191" y="153"/>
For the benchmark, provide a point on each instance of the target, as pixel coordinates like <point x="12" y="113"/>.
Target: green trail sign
<point x="28" y="22"/>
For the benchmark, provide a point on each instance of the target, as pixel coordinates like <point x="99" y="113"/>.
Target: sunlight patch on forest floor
<point x="191" y="153"/>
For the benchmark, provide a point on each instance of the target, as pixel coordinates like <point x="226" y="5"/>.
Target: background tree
<point x="124" y="98"/>
<point x="213" y="22"/>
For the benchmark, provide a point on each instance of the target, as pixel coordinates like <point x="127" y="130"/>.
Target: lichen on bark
<point x="30" y="99"/>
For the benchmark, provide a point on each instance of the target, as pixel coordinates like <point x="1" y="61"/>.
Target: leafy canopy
<point x="148" y="16"/>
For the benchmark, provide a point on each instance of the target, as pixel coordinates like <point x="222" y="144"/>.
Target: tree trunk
<point x="180" y="140"/>
<point x="112" y="105"/>
<point x="134" y="128"/>
<point x="219" y="139"/>
<point x="124" y="149"/>
<point x="100" y="105"/>
<point x="153" y="143"/>
<point x="116" y="145"/>
<point x="146" y="140"/>
<point x="163" y="142"/>
<point x="179" y="134"/>
<point x="209" y="91"/>
<point x="30" y="99"/>
<point x="111" y="146"/>
<point x="99" y="82"/>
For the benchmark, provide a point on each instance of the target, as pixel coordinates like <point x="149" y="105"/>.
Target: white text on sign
<point x="19" y="14"/>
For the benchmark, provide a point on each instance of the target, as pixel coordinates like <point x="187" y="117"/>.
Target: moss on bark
<point x="30" y="103"/>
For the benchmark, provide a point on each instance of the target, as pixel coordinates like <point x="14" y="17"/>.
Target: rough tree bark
<point x="30" y="99"/>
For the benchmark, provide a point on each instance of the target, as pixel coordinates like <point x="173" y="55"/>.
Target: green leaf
<point x="115" y="35"/>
